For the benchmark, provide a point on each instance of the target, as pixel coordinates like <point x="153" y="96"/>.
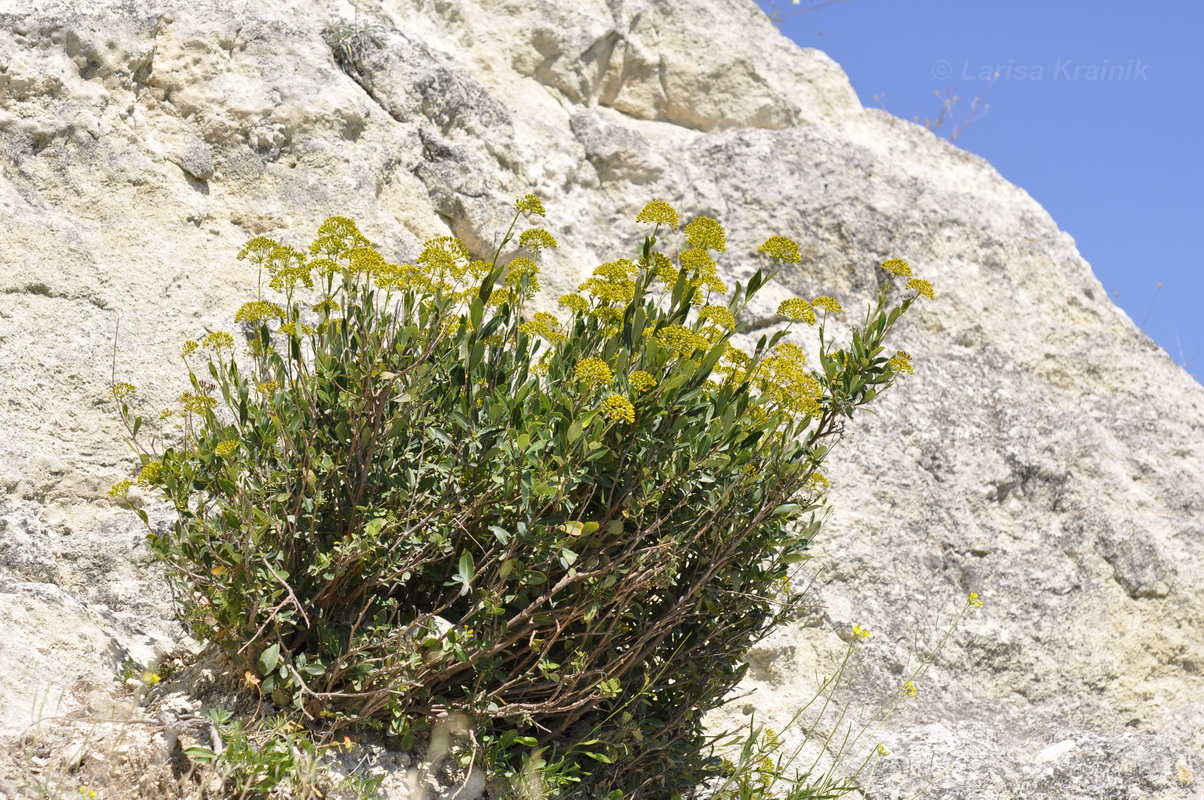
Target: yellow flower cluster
<point x="699" y="261"/>
<point x="327" y="306"/>
<point x="860" y="632"/>
<point x="530" y="205"/>
<point x="706" y="233"/>
<point x="290" y="328"/>
<point x="922" y="287"/>
<point x="680" y="340"/>
<point x="641" y="381"/>
<point x="151" y="473"/>
<point x="816" y="482"/>
<point x="618" y="408"/>
<point x="910" y="689"/>
<point x="121" y="489"/>
<point x="197" y="403"/>
<point x="575" y="302"/>
<point x="609" y="291"/>
<point x="662" y="267"/>
<point x="901" y="362"/>
<point x="337" y="237"/>
<point x="781" y="249"/>
<point x="789" y="383"/>
<point x="720" y="315"/>
<point x="189" y="348"/>
<point x="258" y="310"/>
<point x="444" y="257"/>
<point x="218" y="340"/>
<point x="123" y="389"/>
<point x="545" y="325"/>
<point x="796" y="309"/>
<point x="659" y="212"/>
<point x="226" y="447"/>
<point x="400" y="277"/>
<point x="897" y="266"/>
<point x="593" y="372"/>
<point x="536" y="239"/>
<point x="522" y="271"/>
<point x="829" y="304"/>
<point x="288" y="267"/>
<point x="974" y="600"/>
<point x="267" y="387"/>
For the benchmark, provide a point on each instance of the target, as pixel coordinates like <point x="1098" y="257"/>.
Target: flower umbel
<point x="897" y="266"/>
<point x="706" y="233"/>
<point x="530" y="205"/>
<point x="659" y="212"/>
<point x="593" y="372"/>
<point x="922" y="287"/>
<point x="781" y="249"/>
<point x="796" y="309"/>
<point x="618" y="408"/>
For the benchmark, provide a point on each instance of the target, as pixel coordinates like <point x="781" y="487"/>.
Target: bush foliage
<point x="411" y="498"/>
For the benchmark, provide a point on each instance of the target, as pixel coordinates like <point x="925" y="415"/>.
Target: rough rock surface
<point x="1047" y="455"/>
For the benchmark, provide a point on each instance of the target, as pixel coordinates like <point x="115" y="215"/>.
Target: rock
<point x="1047" y="455"/>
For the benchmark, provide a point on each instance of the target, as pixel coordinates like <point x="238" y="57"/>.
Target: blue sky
<point x="1098" y="113"/>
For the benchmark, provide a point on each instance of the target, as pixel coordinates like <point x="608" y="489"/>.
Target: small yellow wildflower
<point x="662" y="267"/>
<point x="574" y="301"/>
<point x="610" y="291"/>
<point x="720" y="315"/>
<point x="659" y="212"/>
<point x="121" y="489"/>
<point x="897" y="266"/>
<point x="593" y="372"/>
<point x="499" y="297"/>
<point x="974" y="600"/>
<point x="521" y="268"/>
<point x="781" y="249"/>
<point x="829" y="304"/>
<point x="530" y="205"/>
<point x="797" y="309"/>
<point x="536" y="239"/>
<point x="122" y="390"/>
<point x="258" y="248"/>
<point x="545" y="325"/>
<point x="267" y="387"/>
<point x="910" y="689"/>
<point x="641" y="381"/>
<point x="152" y="472"/>
<point x="817" y="482"/>
<point x="258" y="310"/>
<point x="327" y="306"/>
<point x="150" y="678"/>
<point x="621" y="270"/>
<point x="197" y="403"/>
<point x="227" y="447"/>
<point x="902" y="362"/>
<point x="922" y="287"/>
<point x="218" y="340"/>
<point x="791" y="351"/>
<point x="706" y="233"/>
<point x="860" y="632"/>
<point x="680" y="340"/>
<point x="882" y="751"/>
<point x="618" y="409"/>
<point x="189" y="348"/>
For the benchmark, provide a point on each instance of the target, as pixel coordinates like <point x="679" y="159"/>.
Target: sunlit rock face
<point x="1046" y="455"/>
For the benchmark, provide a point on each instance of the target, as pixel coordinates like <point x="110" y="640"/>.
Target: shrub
<point x="412" y="499"/>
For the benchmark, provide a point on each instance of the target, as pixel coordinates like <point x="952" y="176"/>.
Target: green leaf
<point x="476" y="311"/>
<point x="269" y="658"/>
<point x="466" y="569"/>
